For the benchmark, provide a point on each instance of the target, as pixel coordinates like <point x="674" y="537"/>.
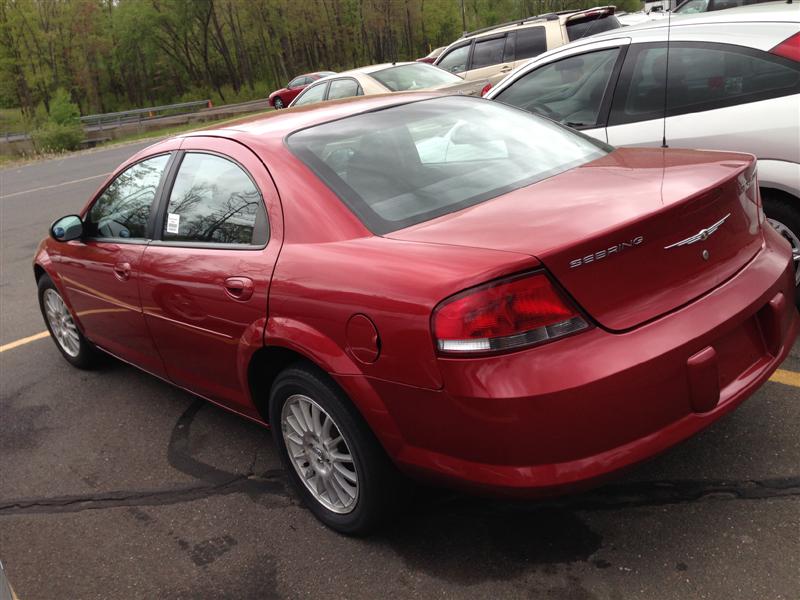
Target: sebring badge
<point x="701" y="235"/>
<point x="606" y="252"/>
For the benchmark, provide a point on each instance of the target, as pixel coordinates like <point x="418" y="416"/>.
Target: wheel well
<point x="776" y="194"/>
<point x="38" y="271"/>
<point x="264" y="367"/>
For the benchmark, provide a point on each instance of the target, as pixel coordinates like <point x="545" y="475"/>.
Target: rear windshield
<point x="407" y="164"/>
<point x="584" y="27"/>
<point x="414" y="77"/>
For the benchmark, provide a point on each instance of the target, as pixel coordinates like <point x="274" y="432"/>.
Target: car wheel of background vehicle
<point x="784" y="217"/>
<point x="336" y="464"/>
<point x="65" y="333"/>
<point x="278" y="103"/>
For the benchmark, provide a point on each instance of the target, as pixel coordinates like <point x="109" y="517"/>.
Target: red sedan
<point x="444" y="287"/>
<point x="283" y="97"/>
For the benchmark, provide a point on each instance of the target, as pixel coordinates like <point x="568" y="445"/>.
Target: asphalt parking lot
<point x="114" y="484"/>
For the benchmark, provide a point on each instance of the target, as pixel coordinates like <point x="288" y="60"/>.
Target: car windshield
<point x="407" y="164"/>
<point x="414" y="77"/>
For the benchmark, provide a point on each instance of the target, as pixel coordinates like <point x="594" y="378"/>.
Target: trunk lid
<point x="631" y="236"/>
<point x="466" y="88"/>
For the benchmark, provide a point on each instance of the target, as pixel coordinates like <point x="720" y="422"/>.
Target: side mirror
<point x="67" y="228"/>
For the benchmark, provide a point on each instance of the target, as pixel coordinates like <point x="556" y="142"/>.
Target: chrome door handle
<point x="239" y="288"/>
<point x="122" y="271"/>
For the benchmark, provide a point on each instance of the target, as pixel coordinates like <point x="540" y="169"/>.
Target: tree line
<point x="110" y="55"/>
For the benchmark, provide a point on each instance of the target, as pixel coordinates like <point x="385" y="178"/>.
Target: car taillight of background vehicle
<point x="789" y="48"/>
<point x="486" y="89"/>
<point x="503" y="315"/>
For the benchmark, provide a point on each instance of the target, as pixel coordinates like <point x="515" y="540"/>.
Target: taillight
<point x="789" y="48"/>
<point x="486" y="89"/>
<point x="503" y="315"/>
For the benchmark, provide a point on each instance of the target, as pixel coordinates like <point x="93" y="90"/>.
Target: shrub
<point x="55" y="137"/>
<point x="62" y="110"/>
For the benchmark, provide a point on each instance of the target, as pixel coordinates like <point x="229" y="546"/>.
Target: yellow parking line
<point x="786" y="377"/>
<point x="23" y="341"/>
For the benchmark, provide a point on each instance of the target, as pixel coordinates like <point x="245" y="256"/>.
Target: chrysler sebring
<point x="442" y="287"/>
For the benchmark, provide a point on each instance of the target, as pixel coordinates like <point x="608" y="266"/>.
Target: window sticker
<point x="173" y="223"/>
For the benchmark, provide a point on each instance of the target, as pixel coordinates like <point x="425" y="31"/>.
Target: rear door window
<point x="344" y="88"/>
<point x="530" y="41"/>
<point x="570" y="90"/>
<point x="488" y="52"/>
<point x="312" y="94"/>
<point x="123" y="209"/>
<point x="213" y="200"/>
<point x="455" y="61"/>
<point x="701" y="77"/>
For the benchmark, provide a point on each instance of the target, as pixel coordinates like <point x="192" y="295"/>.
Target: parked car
<point x="521" y="316"/>
<point x="493" y="52"/>
<point x="689" y="7"/>
<point x="386" y="78"/>
<point x="432" y="56"/>
<point x="734" y="84"/>
<point x="283" y="97"/>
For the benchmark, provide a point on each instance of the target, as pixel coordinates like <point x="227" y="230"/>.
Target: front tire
<point x="784" y="216"/>
<point x="333" y="459"/>
<point x="69" y="340"/>
<point x="278" y="103"/>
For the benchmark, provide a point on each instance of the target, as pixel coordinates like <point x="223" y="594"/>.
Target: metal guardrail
<point x="142" y="114"/>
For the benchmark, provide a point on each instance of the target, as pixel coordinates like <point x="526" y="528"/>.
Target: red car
<point x="444" y="287"/>
<point x="282" y="97"/>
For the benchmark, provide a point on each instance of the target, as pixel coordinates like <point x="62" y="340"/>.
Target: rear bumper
<point x="564" y="415"/>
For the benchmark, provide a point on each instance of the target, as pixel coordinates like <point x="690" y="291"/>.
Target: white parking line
<point x="50" y="187"/>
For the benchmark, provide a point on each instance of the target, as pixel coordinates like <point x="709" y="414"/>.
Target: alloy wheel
<point x="278" y="103"/>
<point x="320" y="454"/>
<point x="792" y="238"/>
<point x="61" y="324"/>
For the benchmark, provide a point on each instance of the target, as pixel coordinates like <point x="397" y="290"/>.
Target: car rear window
<point x="590" y="25"/>
<point x="408" y="164"/>
<point x="414" y="77"/>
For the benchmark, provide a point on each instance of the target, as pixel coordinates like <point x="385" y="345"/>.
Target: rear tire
<point x="74" y="347"/>
<point x="304" y="401"/>
<point x="784" y="216"/>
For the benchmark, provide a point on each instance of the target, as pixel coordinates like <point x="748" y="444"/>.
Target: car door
<point x="574" y="89"/>
<point x="101" y="272"/>
<point x="295" y="86"/>
<point x="710" y="86"/>
<point x="206" y="275"/>
<point x="456" y="60"/>
<point x="489" y="58"/>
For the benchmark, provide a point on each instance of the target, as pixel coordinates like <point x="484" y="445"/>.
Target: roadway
<point x="115" y="485"/>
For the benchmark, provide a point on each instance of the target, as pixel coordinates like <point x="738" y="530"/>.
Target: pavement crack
<point x="268" y="483"/>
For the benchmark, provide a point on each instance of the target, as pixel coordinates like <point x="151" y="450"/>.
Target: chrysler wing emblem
<point x="701" y="235"/>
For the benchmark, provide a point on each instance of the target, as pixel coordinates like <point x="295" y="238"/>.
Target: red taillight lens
<point x="789" y="48"/>
<point x="486" y="89"/>
<point x="502" y="315"/>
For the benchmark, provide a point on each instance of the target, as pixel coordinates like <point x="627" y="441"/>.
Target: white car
<point x="384" y="79"/>
<point x="734" y="84"/>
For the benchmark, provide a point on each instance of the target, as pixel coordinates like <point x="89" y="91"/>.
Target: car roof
<point x="278" y="124"/>
<point x="366" y="70"/>
<point x="560" y="17"/>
